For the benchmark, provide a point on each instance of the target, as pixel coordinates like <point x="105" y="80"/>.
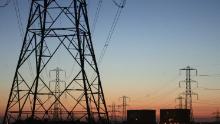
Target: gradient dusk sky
<point x="152" y="41"/>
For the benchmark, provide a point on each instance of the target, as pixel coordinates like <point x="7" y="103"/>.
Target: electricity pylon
<point x="217" y="116"/>
<point x="113" y="111"/>
<point x="180" y="99"/>
<point x="57" y="111"/>
<point x="188" y="91"/>
<point x="55" y="28"/>
<point x="124" y="107"/>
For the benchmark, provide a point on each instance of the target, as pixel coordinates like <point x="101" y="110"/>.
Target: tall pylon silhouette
<point x="188" y="89"/>
<point x="57" y="28"/>
<point x="57" y="84"/>
<point x="124" y="107"/>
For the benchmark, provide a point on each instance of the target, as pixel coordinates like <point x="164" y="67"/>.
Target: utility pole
<point x="57" y="28"/>
<point x="124" y="107"/>
<point x="57" y="112"/>
<point x="188" y="91"/>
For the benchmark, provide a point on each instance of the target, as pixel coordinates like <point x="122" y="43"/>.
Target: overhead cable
<point x="112" y="29"/>
<point x="99" y="6"/>
<point x="6" y="3"/>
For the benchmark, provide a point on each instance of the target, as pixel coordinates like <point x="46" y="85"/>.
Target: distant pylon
<point x="180" y="99"/>
<point x="217" y="116"/>
<point x="113" y="113"/>
<point x="188" y="91"/>
<point x="57" y="112"/>
<point x="124" y="107"/>
<point x="57" y="28"/>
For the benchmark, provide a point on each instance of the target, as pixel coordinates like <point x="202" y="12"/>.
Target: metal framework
<point x="114" y="113"/>
<point x="217" y="116"/>
<point x="57" y="111"/>
<point x="57" y="28"/>
<point x="124" y="107"/>
<point x="188" y="91"/>
<point x="180" y="99"/>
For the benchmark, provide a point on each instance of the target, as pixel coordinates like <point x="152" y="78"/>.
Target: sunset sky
<point x="152" y="41"/>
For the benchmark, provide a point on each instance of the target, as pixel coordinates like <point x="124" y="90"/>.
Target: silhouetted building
<point x="174" y="116"/>
<point x="141" y="117"/>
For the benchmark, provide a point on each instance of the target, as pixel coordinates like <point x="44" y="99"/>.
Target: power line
<point x="112" y="29"/>
<point x="206" y="103"/>
<point x="159" y="94"/>
<point x="165" y="85"/>
<point x="96" y="15"/>
<point x="209" y="75"/>
<point x="210" y="88"/>
<point x="20" y="27"/>
<point x="5" y="4"/>
<point x="119" y="5"/>
<point x="163" y="96"/>
<point x="99" y="6"/>
<point x="18" y="16"/>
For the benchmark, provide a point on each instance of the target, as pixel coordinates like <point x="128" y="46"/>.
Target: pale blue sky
<point x="152" y="40"/>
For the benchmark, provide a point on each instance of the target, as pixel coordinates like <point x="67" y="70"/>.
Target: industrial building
<point x="174" y="116"/>
<point x="141" y="116"/>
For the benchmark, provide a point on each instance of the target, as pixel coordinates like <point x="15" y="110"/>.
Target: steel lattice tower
<point x="57" y="27"/>
<point x="180" y="99"/>
<point x="188" y="91"/>
<point x="124" y="107"/>
<point x="113" y="113"/>
<point x="57" y="111"/>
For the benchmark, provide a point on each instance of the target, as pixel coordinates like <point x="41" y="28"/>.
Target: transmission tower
<point x="57" y="112"/>
<point x="180" y="99"/>
<point x="57" y="28"/>
<point x="217" y="116"/>
<point x="113" y="112"/>
<point x="188" y="91"/>
<point x="119" y="112"/>
<point x="124" y="107"/>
